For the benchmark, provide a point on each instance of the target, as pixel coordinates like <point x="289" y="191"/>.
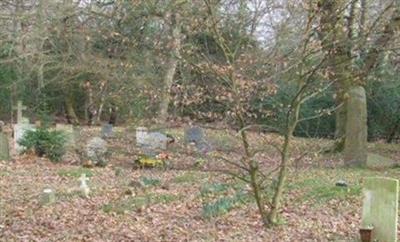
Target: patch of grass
<point x="151" y="182"/>
<point x="75" y="172"/>
<point x="214" y="188"/>
<point x="224" y="141"/>
<point x="134" y="203"/>
<point x="4" y="173"/>
<point x="217" y="201"/>
<point x="187" y="177"/>
<point x="325" y="193"/>
<point x="223" y="205"/>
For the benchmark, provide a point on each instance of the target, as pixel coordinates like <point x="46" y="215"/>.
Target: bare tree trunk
<point x="337" y="46"/>
<point x="113" y="114"/>
<point x="40" y="42"/>
<point x="69" y="108"/>
<point x="171" y="66"/>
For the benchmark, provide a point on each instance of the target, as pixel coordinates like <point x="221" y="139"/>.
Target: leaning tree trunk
<point x="171" y="68"/>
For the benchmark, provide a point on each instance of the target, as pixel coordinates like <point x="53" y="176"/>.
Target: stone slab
<point x="380" y="207"/>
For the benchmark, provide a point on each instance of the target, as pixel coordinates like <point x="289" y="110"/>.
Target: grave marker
<point x="380" y="207"/>
<point x="19" y="132"/>
<point x="4" y="147"/>
<point x="107" y="131"/>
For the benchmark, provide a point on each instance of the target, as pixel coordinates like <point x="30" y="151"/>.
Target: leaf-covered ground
<point x="177" y="204"/>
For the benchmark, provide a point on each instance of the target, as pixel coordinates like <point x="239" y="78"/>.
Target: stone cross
<point x="380" y="206"/>
<point x="19" y="109"/>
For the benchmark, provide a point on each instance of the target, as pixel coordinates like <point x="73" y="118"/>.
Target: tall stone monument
<point x="355" y="150"/>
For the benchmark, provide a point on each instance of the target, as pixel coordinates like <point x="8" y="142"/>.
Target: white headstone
<point x="83" y="187"/>
<point x="141" y="135"/>
<point x="380" y="207"/>
<point x="19" y="132"/>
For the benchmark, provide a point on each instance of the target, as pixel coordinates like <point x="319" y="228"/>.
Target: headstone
<point x="83" y="187"/>
<point x="380" y="207"/>
<point x="21" y="127"/>
<point x="19" y="132"/>
<point x="48" y="196"/>
<point x="141" y="134"/>
<point x="151" y="142"/>
<point x="4" y="147"/>
<point x="195" y="135"/>
<point x="355" y="150"/>
<point x="96" y="151"/>
<point x="156" y="140"/>
<point x="107" y="131"/>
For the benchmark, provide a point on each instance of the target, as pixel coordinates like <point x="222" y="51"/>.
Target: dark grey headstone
<point x="156" y="140"/>
<point x="107" y="131"/>
<point x="97" y="151"/>
<point x="194" y="134"/>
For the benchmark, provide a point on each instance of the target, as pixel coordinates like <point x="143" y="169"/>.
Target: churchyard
<point x="206" y="120"/>
<point x="187" y="199"/>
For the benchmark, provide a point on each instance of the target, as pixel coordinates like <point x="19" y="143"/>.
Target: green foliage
<point x="383" y="94"/>
<point x="150" y="181"/>
<point x="214" y="188"/>
<point x="223" y="205"/>
<point x="45" y="142"/>
<point x="220" y="198"/>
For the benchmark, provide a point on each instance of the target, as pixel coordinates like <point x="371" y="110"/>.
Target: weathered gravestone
<point x="355" y="150"/>
<point x="21" y="127"/>
<point x="195" y="135"/>
<point x="19" y="131"/>
<point x="151" y="140"/>
<point x="4" y="147"/>
<point x="380" y="206"/>
<point x="48" y="196"/>
<point x="156" y="141"/>
<point x="97" y="151"/>
<point x="107" y="131"/>
<point x="141" y="134"/>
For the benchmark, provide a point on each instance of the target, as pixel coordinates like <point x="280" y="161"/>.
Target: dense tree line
<point x="85" y="60"/>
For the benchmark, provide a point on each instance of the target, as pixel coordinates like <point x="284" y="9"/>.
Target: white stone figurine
<point x="84" y="188"/>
